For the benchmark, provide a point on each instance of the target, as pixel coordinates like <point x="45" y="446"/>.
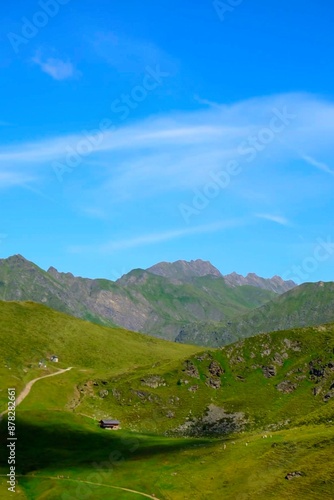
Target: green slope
<point x="31" y="332"/>
<point x="62" y="454"/>
<point x="306" y="305"/>
<point x="159" y="400"/>
<point x="204" y="298"/>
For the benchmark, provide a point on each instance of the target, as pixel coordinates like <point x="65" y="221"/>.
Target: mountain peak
<point x="275" y="284"/>
<point x="17" y="260"/>
<point x="184" y="269"/>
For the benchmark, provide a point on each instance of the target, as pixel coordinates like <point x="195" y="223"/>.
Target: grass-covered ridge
<point x="31" y="332"/>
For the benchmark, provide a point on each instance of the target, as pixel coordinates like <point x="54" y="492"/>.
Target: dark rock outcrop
<point x="214" y="383"/>
<point x="269" y="371"/>
<point x="215" y="421"/>
<point x="191" y="370"/>
<point x="215" y="369"/>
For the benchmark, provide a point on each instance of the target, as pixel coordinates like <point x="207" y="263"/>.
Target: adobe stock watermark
<point x="225" y="7"/>
<point x="323" y="250"/>
<point x="31" y="27"/>
<point x="123" y="106"/>
<point x="247" y="150"/>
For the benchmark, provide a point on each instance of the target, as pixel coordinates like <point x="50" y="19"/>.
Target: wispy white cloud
<point x="93" y="212"/>
<point x="11" y="179"/>
<point x="278" y="219"/>
<point x="128" y="54"/>
<point x="318" y="164"/>
<point x="55" y="67"/>
<point x="153" y="238"/>
<point x="179" y="150"/>
<point x="207" y="102"/>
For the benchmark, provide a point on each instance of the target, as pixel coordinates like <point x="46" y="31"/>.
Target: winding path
<point x="19" y="400"/>
<point x="29" y="385"/>
<point x="89" y="482"/>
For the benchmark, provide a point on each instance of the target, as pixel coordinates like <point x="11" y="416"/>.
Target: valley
<point x="196" y="423"/>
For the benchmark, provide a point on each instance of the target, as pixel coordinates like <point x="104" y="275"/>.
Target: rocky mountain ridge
<point x="159" y="300"/>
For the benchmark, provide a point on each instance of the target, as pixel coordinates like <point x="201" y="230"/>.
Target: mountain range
<point x="159" y="300"/>
<point x="190" y="302"/>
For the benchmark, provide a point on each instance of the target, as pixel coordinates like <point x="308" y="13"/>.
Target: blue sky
<point x="138" y="132"/>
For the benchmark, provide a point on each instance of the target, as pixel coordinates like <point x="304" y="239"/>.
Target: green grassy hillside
<point x="193" y="421"/>
<point x="31" y="332"/>
<point x="82" y="462"/>
<point x="204" y="298"/>
<point x="309" y="304"/>
<point x="268" y="381"/>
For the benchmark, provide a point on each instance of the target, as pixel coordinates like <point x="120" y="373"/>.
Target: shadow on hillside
<point x="59" y="445"/>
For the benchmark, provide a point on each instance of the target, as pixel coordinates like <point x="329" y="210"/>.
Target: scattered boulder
<point x="170" y="414"/>
<point x="294" y="345"/>
<point x="286" y="387"/>
<point x="266" y="352"/>
<point x="278" y="359"/>
<point x="103" y="394"/>
<point x="269" y="371"/>
<point x="141" y="394"/>
<point x="204" y="356"/>
<point x="316" y="390"/>
<point x="173" y="400"/>
<point x="146" y="396"/>
<point x="214" y="383"/>
<point x="329" y="396"/>
<point x="193" y="388"/>
<point x="215" y="369"/>
<point x="153" y="381"/>
<point x="291" y="475"/>
<point x="317" y="372"/>
<point x="191" y="370"/>
<point x="116" y="393"/>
